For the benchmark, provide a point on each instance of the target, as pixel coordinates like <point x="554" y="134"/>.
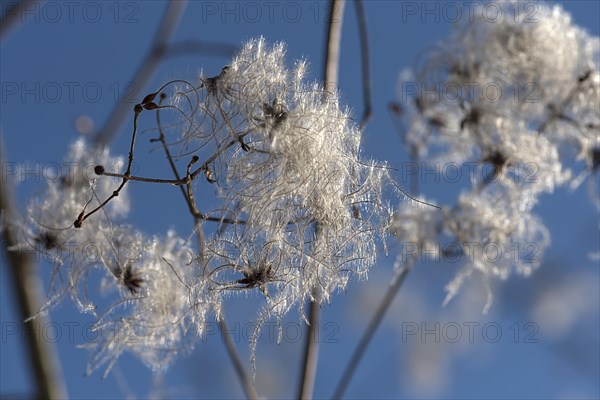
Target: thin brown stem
<point x="83" y="216"/>
<point x="247" y="385"/>
<point x="14" y="14"/>
<point x="44" y="361"/>
<point x="374" y="324"/>
<point x="311" y="344"/>
<point x="186" y="47"/>
<point x="382" y="308"/>
<point x="311" y="352"/>
<point x="190" y="203"/>
<point x="175" y="182"/>
<point x="332" y="51"/>
<point x="366" y="66"/>
<point x="243" y="376"/>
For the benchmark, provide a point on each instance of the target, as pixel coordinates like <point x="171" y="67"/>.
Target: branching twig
<point x="83" y="216"/>
<point x="176" y="182"/>
<point x="191" y="205"/>
<point x="243" y="376"/>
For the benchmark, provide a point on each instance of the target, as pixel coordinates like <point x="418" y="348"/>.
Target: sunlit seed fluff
<point x="284" y="160"/>
<point x="518" y="98"/>
<point x="161" y="320"/>
<point x="497" y="234"/>
<point x="290" y="167"/>
<point x="537" y="44"/>
<point x="525" y="67"/>
<point x="48" y="227"/>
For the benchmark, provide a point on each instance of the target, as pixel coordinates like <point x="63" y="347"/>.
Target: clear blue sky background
<point x="99" y="45"/>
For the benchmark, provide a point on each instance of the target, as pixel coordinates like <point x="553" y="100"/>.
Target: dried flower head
<point x="516" y="96"/>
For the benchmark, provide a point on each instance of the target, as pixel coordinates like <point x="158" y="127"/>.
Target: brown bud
<point x="149" y="98"/>
<point x="150" y="106"/>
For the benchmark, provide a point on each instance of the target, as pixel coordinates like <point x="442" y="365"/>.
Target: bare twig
<point x="366" y="66"/>
<point x="311" y="352"/>
<point x="83" y="216"/>
<point x="374" y="323"/>
<point x="28" y="290"/>
<point x="186" y="47"/>
<point x="381" y="310"/>
<point x="27" y="285"/>
<point x="13" y="15"/>
<point x="175" y="182"/>
<point x="311" y="345"/>
<point x="247" y="385"/>
<point x="334" y="37"/>
<point x="144" y="73"/>
<point x="191" y="205"/>
<point x="243" y="376"/>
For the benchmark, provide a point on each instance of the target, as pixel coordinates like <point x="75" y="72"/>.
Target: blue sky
<point x="72" y="59"/>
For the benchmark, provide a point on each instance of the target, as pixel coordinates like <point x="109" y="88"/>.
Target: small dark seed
<point x="585" y="76"/>
<point x="149" y="98"/>
<point x="395" y="108"/>
<point x="150" y="106"/>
